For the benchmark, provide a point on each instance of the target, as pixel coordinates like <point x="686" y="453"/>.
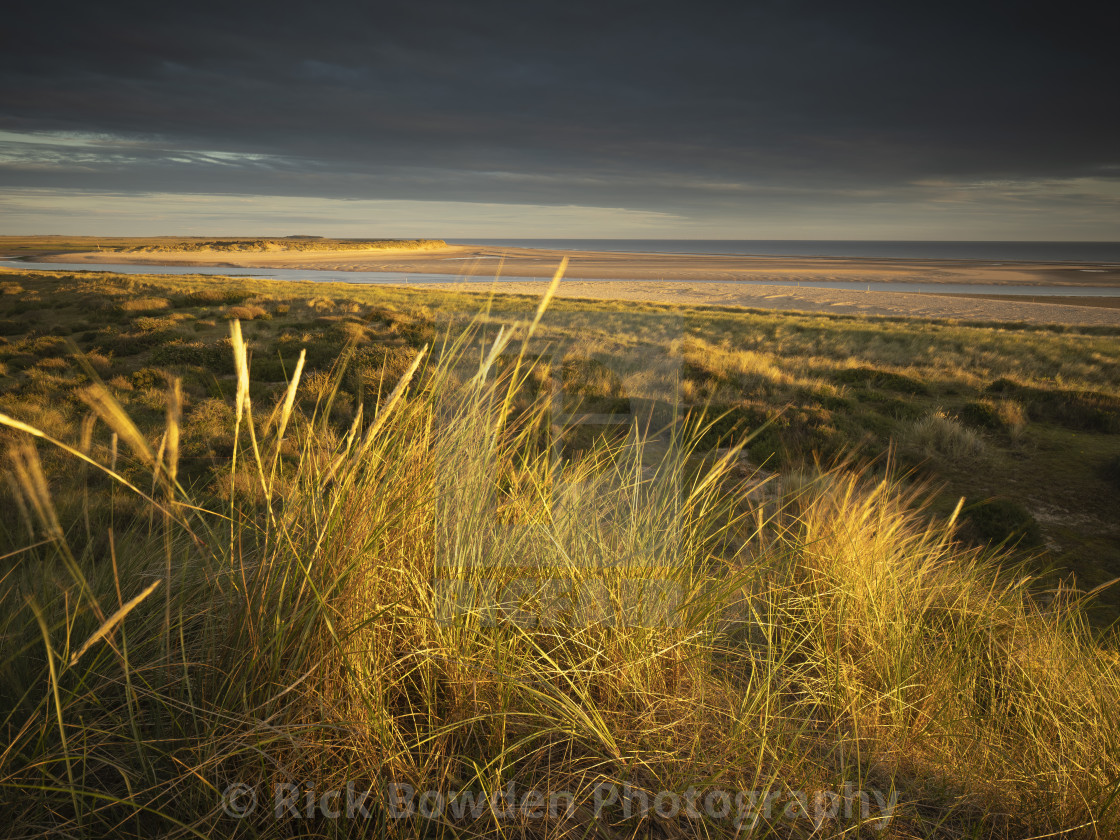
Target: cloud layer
<point x="752" y="119"/>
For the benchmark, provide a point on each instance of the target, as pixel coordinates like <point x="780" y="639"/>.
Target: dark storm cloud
<point x="632" y="104"/>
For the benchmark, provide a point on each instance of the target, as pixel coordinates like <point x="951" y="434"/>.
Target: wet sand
<point x="833" y="301"/>
<point x="740" y="281"/>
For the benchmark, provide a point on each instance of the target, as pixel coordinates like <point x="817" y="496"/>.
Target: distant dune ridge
<point x="290" y="243"/>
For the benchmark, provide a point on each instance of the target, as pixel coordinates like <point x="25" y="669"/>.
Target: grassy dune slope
<point x="1022" y="421"/>
<point x="358" y="550"/>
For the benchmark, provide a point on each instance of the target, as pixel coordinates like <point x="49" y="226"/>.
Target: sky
<point x="748" y="120"/>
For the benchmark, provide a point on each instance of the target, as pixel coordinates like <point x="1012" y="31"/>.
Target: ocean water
<point x="1077" y="252"/>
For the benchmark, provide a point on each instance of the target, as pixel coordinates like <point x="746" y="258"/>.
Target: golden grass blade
<point x="285" y="415"/>
<point x="53" y="673"/>
<point x="241" y="365"/>
<point x="110" y="470"/>
<point x="85" y="445"/>
<point x="29" y="473"/>
<point x="542" y="307"/>
<point x="349" y="442"/>
<point x="19" y="425"/>
<point x="496" y="348"/>
<point x="379" y="421"/>
<point x="290" y="396"/>
<point x="174" y="418"/>
<point x="546" y="299"/>
<point x="493" y="290"/>
<point x="392" y="400"/>
<point x="357" y="424"/>
<point x="159" y="461"/>
<point x="24" y="513"/>
<point x="105" y="404"/>
<point x="112" y="621"/>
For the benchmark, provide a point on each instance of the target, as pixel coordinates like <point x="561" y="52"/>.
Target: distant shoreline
<point x="484" y="260"/>
<point x="764" y="282"/>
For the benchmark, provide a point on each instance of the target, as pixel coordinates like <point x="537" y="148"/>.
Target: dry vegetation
<point x="345" y="541"/>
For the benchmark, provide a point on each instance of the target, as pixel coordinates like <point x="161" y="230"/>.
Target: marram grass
<point x="439" y="600"/>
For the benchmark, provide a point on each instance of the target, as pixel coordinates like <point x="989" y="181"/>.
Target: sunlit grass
<point x="436" y="594"/>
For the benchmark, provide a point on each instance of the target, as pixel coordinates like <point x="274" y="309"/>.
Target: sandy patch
<point x="833" y="301"/>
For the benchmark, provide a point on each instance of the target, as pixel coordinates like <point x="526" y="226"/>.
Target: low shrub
<point x="213" y="357"/>
<point x="213" y="297"/>
<point x="247" y="312"/>
<point x="998" y="521"/>
<point x="869" y="377"/>
<point x="132" y="344"/>
<point x="982" y="415"/>
<point x="9" y="327"/>
<point x="148" y="377"/>
<point x="898" y="409"/>
<point x="100" y="362"/>
<point x="940" y="435"/>
<point x="1090" y="411"/>
<point x="145" y="304"/>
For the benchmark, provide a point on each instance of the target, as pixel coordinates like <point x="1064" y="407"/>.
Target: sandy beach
<point x="835" y="301"/>
<point x="709" y="280"/>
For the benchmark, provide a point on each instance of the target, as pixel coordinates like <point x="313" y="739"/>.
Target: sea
<point x="1017" y="251"/>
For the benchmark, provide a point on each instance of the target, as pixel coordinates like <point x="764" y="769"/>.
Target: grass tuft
<point x="437" y="596"/>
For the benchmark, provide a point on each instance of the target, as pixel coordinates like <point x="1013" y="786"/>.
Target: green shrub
<point x="898" y="409"/>
<point x="982" y="415"/>
<point x="132" y="344"/>
<point x="145" y="304"/>
<point x="941" y="435"/>
<point x="13" y="327"/>
<point x="148" y="377"/>
<point x="376" y="367"/>
<point x="213" y="357"/>
<point x="272" y="367"/>
<point x="1091" y="411"/>
<point x="869" y="377"/>
<point x="213" y="297"/>
<point x="1001" y="521"/>
<point x="247" y="312"/>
